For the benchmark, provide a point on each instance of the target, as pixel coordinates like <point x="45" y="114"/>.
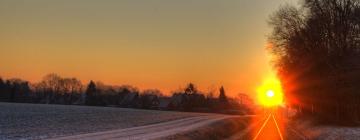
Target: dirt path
<point x="154" y="131"/>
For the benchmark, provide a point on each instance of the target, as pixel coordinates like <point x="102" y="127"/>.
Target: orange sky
<point x="149" y="44"/>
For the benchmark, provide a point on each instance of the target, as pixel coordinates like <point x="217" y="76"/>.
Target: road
<point x="262" y="127"/>
<point x="154" y="131"/>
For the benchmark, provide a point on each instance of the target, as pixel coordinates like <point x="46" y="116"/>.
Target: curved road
<point x="270" y="127"/>
<point x="154" y="131"/>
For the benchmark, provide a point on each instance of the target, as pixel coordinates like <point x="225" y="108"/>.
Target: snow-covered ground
<point x="39" y="121"/>
<point x="327" y="132"/>
<point x="151" y="132"/>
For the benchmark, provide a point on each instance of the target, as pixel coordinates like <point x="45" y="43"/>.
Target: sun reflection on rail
<point x="262" y="127"/>
<point x="271" y="128"/>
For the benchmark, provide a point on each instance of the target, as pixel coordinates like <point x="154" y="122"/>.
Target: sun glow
<point x="270" y="93"/>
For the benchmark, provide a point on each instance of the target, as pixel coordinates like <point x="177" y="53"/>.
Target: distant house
<point x="154" y="102"/>
<point x="149" y="101"/>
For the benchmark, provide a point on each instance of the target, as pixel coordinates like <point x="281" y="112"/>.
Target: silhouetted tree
<point x="317" y="49"/>
<point x="190" y="89"/>
<point x="188" y="99"/>
<point x="72" y="89"/>
<point x="149" y="99"/>
<point x="51" y="85"/>
<point x="110" y="96"/>
<point x="129" y="96"/>
<point x="91" y="94"/>
<point x="2" y="83"/>
<point x="16" y="90"/>
<point x="4" y="92"/>
<point x="54" y="89"/>
<point x="222" y="96"/>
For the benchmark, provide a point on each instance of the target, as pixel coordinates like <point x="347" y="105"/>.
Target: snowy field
<point x="327" y="132"/>
<point x="39" y="121"/>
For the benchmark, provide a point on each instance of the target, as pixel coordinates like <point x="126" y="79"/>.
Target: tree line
<point x="54" y="89"/>
<point x="317" y="52"/>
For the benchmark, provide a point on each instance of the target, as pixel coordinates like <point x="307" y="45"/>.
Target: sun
<point x="270" y="93"/>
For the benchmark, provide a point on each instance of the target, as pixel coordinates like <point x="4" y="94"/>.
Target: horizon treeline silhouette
<point x="54" y="89"/>
<point x="317" y="55"/>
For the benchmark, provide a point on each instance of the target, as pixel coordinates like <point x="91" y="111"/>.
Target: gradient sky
<point x="160" y="44"/>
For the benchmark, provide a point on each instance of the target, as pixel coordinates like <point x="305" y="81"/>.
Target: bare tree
<point x="317" y="48"/>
